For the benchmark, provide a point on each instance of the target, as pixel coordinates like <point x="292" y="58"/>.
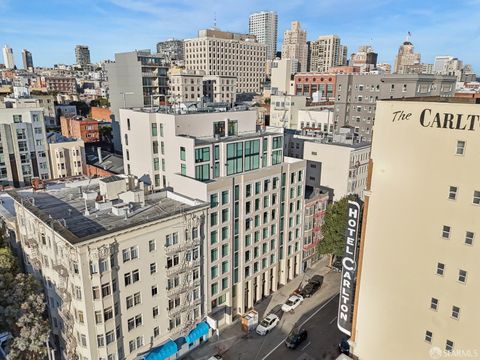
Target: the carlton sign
<point x="349" y="268"/>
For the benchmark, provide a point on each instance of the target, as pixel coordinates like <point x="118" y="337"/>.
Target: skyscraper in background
<point x="27" y="59"/>
<point x="8" y="57"/>
<point x="295" y="45"/>
<point x="264" y="25"/>
<point x="82" y="55"/>
<point x="327" y="52"/>
<point x="405" y="56"/>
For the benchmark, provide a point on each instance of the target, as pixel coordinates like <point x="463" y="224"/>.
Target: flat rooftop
<point x="64" y="209"/>
<point x="241" y="136"/>
<point x="438" y="99"/>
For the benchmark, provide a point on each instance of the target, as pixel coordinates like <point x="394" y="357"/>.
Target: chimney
<point x="99" y="152"/>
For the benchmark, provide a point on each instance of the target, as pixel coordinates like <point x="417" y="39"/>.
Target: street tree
<point x="333" y="229"/>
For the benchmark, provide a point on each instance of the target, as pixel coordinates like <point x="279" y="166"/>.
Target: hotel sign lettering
<point x="441" y="120"/>
<point x="349" y="268"/>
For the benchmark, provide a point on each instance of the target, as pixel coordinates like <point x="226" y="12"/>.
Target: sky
<point x="50" y="29"/>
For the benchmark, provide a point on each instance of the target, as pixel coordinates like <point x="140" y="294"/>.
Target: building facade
<point x="406" y="57"/>
<point x="294" y="45"/>
<point x="171" y="50"/>
<point x="82" y="55"/>
<point x="64" y="85"/>
<point x="27" y="60"/>
<point x="425" y="298"/>
<point x="255" y="220"/>
<point x="264" y="25"/>
<point x="67" y="156"/>
<point x="356" y="95"/>
<point x="229" y="54"/>
<point x="24" y="146"/>
<point x="281" y="77"/>
<point x="284" y="110"/>
<point x="78" y="127"/>
<point x="326" y="52"/>
<point x="8" y="59"/>
<point x="365" y="58"/>
<point x="309" y="83"/>
<point x="120" y="268"/>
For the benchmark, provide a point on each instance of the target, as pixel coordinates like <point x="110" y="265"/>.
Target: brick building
<point x="309" y="83"/>
<point x="80" y="128"/>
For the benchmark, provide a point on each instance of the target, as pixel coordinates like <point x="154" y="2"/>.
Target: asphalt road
<point x="323" y="336"/>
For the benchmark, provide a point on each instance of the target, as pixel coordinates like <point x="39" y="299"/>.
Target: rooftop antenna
<point x="409" y="35"/>
<point x="214" y="19"/>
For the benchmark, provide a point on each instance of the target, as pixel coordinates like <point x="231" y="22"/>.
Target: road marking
<point x="315" y="313"/>
<point x="305" y="346"/>
<point x="331" y="322"/>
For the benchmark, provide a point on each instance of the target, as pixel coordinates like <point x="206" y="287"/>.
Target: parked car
<point x="296" y="337"/>
<point x="267" y="324"/>
<point x="6" y="339"/>
<point x="292" y="303"/>
<point x="312" y="286"/>
<point x="344" y="346"/>
<point x="337" y="264"/>
<point x="316" y="279"/>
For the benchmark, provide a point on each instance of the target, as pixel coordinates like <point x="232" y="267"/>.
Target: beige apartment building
<point x="326" y="52"/>
<point x="229" y="54"/>
<point x="67" y="156"/>
<point x="254" y="227"/>
<point x="417" y="282"/>
<point x="120" y="266"/>
<point x="294" y="45"/>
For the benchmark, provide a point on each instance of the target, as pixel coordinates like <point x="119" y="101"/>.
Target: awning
<point x="200" y="330"/>
<point x="163" y="352"/>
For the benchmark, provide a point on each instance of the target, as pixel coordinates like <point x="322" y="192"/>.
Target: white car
<point x="267" y="324"/>
<point x="292" y="303"/>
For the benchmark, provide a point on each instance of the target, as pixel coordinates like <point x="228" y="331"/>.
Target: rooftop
<point x="63" y="205"/>
<point x="437" y="99"/>
<point x="240" y="136"/>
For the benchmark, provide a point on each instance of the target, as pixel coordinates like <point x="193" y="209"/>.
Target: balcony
<point x="182" y="267"/>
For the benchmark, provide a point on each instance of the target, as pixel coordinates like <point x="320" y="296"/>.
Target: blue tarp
<point x="200" y="330"/>
<point x="163" y="352"/>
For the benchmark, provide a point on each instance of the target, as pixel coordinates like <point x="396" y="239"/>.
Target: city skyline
<point x="382" y="24"/>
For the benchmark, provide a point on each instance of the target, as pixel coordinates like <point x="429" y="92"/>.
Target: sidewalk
<point x="232" y="335"/>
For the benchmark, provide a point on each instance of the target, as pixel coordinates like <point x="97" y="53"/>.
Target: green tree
<point x="100" y="102"/>
<point x="82" y="107"/>
<point x="334" y="227"/>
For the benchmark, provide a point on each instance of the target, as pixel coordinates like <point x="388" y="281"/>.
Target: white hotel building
<point x="254" y="229"/>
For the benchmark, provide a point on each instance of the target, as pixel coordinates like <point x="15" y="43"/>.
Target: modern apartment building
<point x="194" y="86"/>
<point x="82" y="55"/>
<point x="326" y="52"/>
<point x="27" y="60"/>
<point x="254" y="226"/>
<point x="224" y="53"/>
<point x="356" y="95"/>
<point x="405" y="57"/>
<point x="23" y="146"/>
<point x="294" y="45"/>
<point x="135" y="79"/>
<point x="78" y="127"/>
<point x="67" y="156"/>
<point x="171" y="50"/>
<point x="418" y="258"/>
<point x="120" y="267"/>
<point x="8" y="59"/>
<point x="264" y="25"/>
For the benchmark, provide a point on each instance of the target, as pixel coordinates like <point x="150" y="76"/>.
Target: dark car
<point x="312" y="286"/>
<point x="295" y="338"/>
<point x="344" y="346"/>
<point x="337" y="264"/>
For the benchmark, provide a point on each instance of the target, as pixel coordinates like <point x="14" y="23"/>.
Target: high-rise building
<point x="449" y="65"/>
<point x="27" y="59"/>
<point x="82" y="55"/>
<point x="122" y="268"/>
<point x="135" y="79"/>
<point x="254" y="227"/>
<point x="294" y="45"/>
<point x="418" y="258"/>
<point x="365" y="58"/>
<point x="356" y="95"/>
<point x="24" y="146"/>
<point x="171" y="50"/>
<point x="8" y="59"/>
<point x="327" y="52"/>
<point x="228" y="54"/>
<point x="264" y="25"/>
<point x="405" y="57"/>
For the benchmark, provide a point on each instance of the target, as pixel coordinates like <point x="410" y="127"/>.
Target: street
<point x="317" y="314"/>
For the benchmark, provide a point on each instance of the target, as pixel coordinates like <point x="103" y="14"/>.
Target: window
<point x="202" y="172"/>
<point x="182" y="153"/>
<point x="446" y="232"/>
<point x="428" y="336"/>
<point x="154" y="290"/>
<point x="234" y="158"/>
<point x="130" y="253"/>
<point x="98" y="317"/>
<point x="202" y="154"/>
<point x="462" y="276"/>
<point x="153" y="268"/>
<point x="214" y="288"/>
<point x="133" y="300"/>
<point x="108" y="314"/>
<point x="434" y="304"/>
<point x="224" y="215"/>
<point x="277" y="142"/>
<point x="224" y="197"/>
<point x="154" y="130"/>
<point x="213" y="219"/>
<point x="476" y="197"/>
<point x="151" y="245"/>
<point x="96" y="292"/>
<point x="469" y="237"/>
<point x="440" y="269"/>
<point x="452" y="193"/>
<point x="110" y="337"/>
<point x="106" y="290"/>
<point x="134" y="322"/>
<point x="455" y="312"/>
<point x="155" y="311"/>
<point x="131" y="277"/>
<point x="460" y="147"/>
<point x="232" y="127"/>
<point x="172" y="261"/>
<point x="252" y="155"/>
<point x="449" y="345"/>
<point x="156" y="331"/>
<point x="213" y="200"/>
<point x="100" y="340"/>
